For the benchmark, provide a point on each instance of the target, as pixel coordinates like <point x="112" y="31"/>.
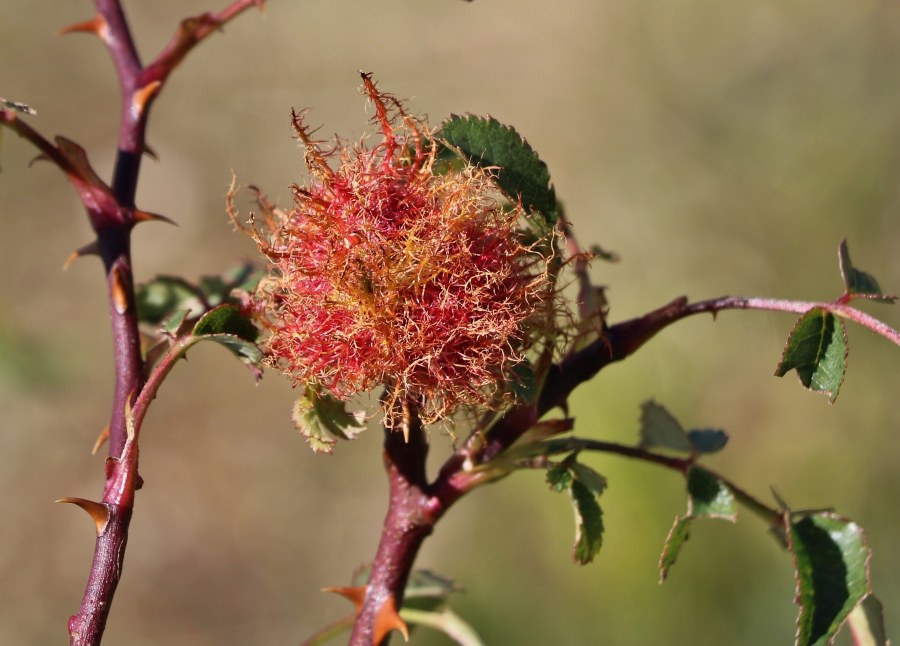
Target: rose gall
<point x="395" y="269"/>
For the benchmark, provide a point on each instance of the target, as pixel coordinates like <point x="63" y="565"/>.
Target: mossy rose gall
<point x="394" y="268"/>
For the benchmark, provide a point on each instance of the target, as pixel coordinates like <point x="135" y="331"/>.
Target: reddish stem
<point x="412" y="513"/>
<point x="416" y="506"/>
<point x="113" y="220"/>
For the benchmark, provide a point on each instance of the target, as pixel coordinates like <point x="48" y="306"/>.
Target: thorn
<point x="388" y="619"/>
<point x="90" y="249"/>
<point x="146" y="216"/>
<point x="117" y="290"/>
<point x="142" y="96"/>
<point x="96" y="510"/>
<point x="104" y="435"/>
<point x="405" y="420"/>
<point x="41" y="157"/>
<point x="96" y="25"/>
<point x="355" y="594"/>
<point x="150" y="152"/>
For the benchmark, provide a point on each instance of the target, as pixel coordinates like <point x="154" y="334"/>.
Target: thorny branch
<point x="112" y="213"/>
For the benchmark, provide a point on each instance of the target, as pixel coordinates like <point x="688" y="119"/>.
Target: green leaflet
<point x="521" y="174"/>
<point x="660" y="429"/>
<point x="322" y="420"/>
<point x="708" y="497"/>
<point x="858" y="282"/>
<point x="584" y="486"/>
<point x="817" y="349"/>
<point x="831" y="567"/>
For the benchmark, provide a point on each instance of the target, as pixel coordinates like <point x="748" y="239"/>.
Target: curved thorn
<point x="41" y="157"/>
<point x="355" y="594"/>
<point x="103" y="437"/>
<point x="146" y="216"/>
<point x="97" y="511"/>
<point x="142" y="97"/>
<point x="96" y="25"/>
<point x="150" y="152"/>
<point x="388" y="619"/>
<point x="90" y="249"/>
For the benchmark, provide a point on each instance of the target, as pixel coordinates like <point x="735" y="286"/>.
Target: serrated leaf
<point x="322" y="420"/>
<point x="858" y="282"/>
<point x="709" y="497"/>
<point x="817" y="349"/>
<point x="660" y="429"/>
<point x="867" y="623"/>
<point x="172" y="324"/>
<point x="164" y="296"/>
<point x="243" y="349"/>
<point x="226" y="319"/>
<point x="832" y="574"/>
<point x="522" y="175"/>
<point x="559" y="477"/>
<point x="707" y="440"/>
<point x="588" y="523"/>
<point x="676" y="538"/>
<point x="584" y="474"/>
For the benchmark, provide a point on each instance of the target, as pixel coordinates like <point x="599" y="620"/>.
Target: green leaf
<point x="426" y="584"/>
<point x="584" y="474"/>
<point x="523" y="382"/>
<point x="559" y="477"/>
<point x="858" y="282"/>
<point x="588" y="523"/>
<point x="228" y="327"/>
<point x="226" y="319"/>
<point x="677" y="537"/>
<point x="446" y="621"/>
<point x="322" y="419"/>
<point x="164" y="296"/>
<point x="522" y="175"/>
<point x="584" y="486"/>
<point x="831" y="559"/>
<point x="707" y="440"/>
<point x="867" y="623"/>
<point x="174" y="323"/>
<point x="245" y="350"/>
<point x="817" y="349"/>
<point x="708" y="497"/>
<point x="660" y="429"/>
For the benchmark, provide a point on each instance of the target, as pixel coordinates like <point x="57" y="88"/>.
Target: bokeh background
<point x="720" y="148"/>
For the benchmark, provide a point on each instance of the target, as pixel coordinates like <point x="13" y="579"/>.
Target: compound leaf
<point x="708" y="497"/>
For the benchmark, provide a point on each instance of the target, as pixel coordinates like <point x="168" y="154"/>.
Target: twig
<point x="112" y="213"/>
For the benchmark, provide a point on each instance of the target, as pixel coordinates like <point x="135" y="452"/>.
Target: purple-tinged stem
<point x="416" y="506"/>
<point x="412" y="513"/>
<point x="112" y="215"/>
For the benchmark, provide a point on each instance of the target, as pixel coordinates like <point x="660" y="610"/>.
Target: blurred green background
<point x="720" y="148"/>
